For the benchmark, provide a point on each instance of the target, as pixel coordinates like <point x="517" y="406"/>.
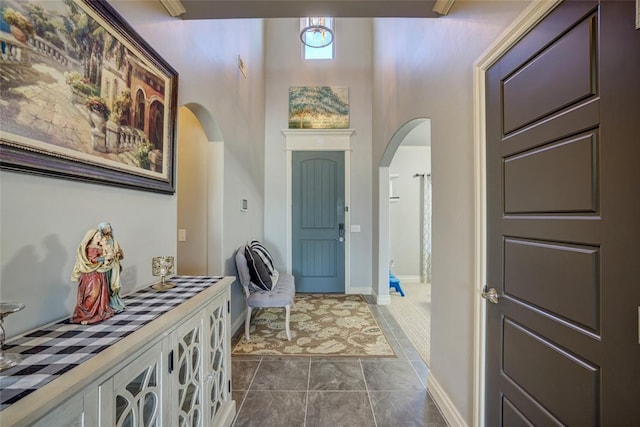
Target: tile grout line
<point x="406" y="356"/>
<point x="413" y="367"/>
<point x="246" y="393"/>
<point x="306" y="402"/>
<point x="424" y="383"/>
<point x="366" y="387"/>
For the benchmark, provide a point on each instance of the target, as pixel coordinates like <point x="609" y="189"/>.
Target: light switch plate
<point x="182" y="235"/>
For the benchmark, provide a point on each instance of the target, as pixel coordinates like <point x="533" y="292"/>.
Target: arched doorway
<point x="139" y="110"/>
<point x="404" y="230"/>
<point x="156" y="120"/>
<point x="200" y="162"/>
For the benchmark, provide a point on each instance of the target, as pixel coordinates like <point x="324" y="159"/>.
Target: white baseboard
<point x="383" y="299"/>
<point x="239" y="322"/>
<point x="444" y="403"/>
<point x="364" y="290"/>
<point x="404" y="278"/>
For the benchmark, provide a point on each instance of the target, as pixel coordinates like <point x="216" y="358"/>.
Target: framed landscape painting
<point x="318" y="107"/>
<point x="84" y="97"/>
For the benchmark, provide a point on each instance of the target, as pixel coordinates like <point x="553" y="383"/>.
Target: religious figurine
<point x="112" y="255"/>
<point x="97" y="271"/>
<point x="90" y="271"/>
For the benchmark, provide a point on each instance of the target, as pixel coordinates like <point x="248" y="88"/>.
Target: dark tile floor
<point x="336" y="392"/>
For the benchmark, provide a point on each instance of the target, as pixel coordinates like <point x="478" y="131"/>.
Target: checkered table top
<point x="55" y="349"/>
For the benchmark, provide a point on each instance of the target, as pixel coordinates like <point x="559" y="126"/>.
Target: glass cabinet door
<point x="136" y="399"/>
<point x="218" y="358"/>
<point x="187" y="373"/>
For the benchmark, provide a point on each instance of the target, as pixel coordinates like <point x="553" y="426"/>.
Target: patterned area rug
<point x="321" y="325"/>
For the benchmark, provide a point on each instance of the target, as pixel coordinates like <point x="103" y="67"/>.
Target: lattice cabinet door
<point x="220" y="406"/>
<point x="187" y="374"/>
<point x="133" y="396"/>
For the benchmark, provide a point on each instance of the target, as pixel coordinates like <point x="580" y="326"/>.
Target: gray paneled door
<point x="563" y="222"/>
<point x="318" y="221"/>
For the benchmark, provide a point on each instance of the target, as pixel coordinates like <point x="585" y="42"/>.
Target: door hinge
<point x="346" y="208"/>
<point x="170" y="362"/>
<point x="228" y="306"/>
<point x="229" y="386"/>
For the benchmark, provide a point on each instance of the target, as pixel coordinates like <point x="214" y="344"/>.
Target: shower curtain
<point x="426" y="228"/>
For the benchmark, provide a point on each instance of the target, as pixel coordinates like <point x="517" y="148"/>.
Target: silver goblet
<point x="7" y="360"/>
<point x="162" y="266"/>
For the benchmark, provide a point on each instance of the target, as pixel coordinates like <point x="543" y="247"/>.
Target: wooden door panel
<point x="569" y="62"/>
<point x="513" y="417"/>
<point x="584" y="115"/>
<point x="561" y="279"/>
<point x="576" y="339"/>
<point x="319" y="187"/>
<point x="546" y="32"/>
<point x="317" y="218"/>
<point x="530" y="360"/>
<point x="559" y="177"/>
<point x="568" y="227"/>
<point x="515" y="400"/>
<point x="563" y="221"/>
<point x="319" y="258"/>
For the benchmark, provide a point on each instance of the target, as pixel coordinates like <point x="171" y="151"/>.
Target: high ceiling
<point x="213" y="9"/>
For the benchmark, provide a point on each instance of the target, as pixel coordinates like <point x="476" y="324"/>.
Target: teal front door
<point x="318" y="226"/>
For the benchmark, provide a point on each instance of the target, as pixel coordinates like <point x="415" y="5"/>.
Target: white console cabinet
<point x="173" y="371"/>
<point x="201" y="378"/>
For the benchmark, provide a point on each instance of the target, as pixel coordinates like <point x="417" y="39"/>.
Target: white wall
<point x="423" y="68"/>
<point x="405" y="214"/>
<point x="351" y="68"/>
<point x="42" y="220"/>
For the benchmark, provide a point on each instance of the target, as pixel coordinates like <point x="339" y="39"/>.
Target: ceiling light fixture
<point x="316" y="32"/>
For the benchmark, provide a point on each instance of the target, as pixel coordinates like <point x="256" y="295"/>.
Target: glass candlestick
<point x="162" y="266"/>
<point x="7" y="360"/>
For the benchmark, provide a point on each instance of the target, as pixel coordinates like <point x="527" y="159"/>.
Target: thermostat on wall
<point x="244" y="206"/>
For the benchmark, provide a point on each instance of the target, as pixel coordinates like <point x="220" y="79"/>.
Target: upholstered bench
<point x="281" y="294"/>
